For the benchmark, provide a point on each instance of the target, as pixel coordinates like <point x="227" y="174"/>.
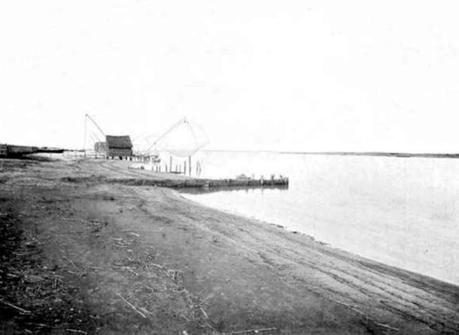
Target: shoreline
<point x="323" y="243"/>
<point x="311" y="237"/>
<point x="188" y="267"/>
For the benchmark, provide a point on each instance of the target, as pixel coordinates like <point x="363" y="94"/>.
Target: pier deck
<point x="187" y="182"/>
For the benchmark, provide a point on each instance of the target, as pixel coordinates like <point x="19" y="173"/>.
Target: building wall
<point x="119" y="152"/>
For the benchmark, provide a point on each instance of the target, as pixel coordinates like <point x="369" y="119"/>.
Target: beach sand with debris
<point x="83" y="252"/>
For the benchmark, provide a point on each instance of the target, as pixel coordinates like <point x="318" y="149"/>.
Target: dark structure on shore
<point x="8" y="150"/>
<point x="100" y="147"/>
<point x="115" y="146"/>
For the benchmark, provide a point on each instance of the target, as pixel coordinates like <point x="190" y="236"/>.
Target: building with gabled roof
<point x="118" y="146"/>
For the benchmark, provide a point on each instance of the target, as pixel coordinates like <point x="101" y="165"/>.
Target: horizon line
<point x="350" y="153"/>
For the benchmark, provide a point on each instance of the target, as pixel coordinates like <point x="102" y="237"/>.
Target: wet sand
<point x="84" y="252"/>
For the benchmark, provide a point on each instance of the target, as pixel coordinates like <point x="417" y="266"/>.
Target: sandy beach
<point x="86" y="252"/>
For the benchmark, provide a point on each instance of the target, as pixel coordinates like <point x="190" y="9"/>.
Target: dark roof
<point x="121" y="142"/>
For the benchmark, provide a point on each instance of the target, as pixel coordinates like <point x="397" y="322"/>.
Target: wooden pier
<point x="203" y="184"/>
<point x="217" y="184"/>
<point x="188" y="182"/>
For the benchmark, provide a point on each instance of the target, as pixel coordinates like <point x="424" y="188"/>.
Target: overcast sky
<point x="281" y="75"/>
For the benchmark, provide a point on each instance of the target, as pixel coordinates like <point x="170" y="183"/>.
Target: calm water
<point x="400" y="211"/>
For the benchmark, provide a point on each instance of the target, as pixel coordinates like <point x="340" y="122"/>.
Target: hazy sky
<point x="292" y="75"/>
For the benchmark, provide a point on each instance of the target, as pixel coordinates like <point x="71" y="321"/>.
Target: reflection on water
<point x="202" y="190"/>
<point x="403" y="212"/>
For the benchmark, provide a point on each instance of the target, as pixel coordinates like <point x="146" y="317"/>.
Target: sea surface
<point x="399" y="211"/>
